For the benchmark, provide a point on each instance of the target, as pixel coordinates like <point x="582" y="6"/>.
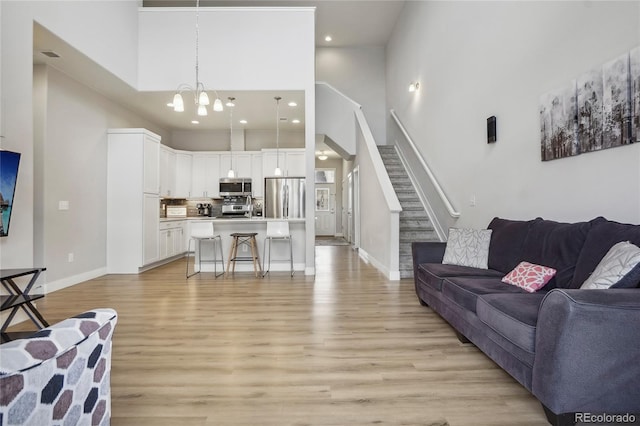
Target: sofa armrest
<point x="60" y="374"/>
<point x="425" y="252"/>
<point x="586" y="353"/>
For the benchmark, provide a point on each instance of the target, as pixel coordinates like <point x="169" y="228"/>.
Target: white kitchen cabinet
<point x="240" y="161"/>
<point x="291" y="162"/>
<point x="257" y="178"/>
<point x="133" y="203"/>
<point x="171" y="239"/>
<point x="150" y="221"/>
<point x="295" y="162"/>
<point x="183" y="175"/>
<point x="205" y="175"/>
<point x="270" y="160"/>
<point x="167" y="172"/>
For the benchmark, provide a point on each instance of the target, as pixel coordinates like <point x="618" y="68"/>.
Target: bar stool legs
<point x="239" y="239"/>
<point x="217" y="242"/>
<point x="277" y="230"/>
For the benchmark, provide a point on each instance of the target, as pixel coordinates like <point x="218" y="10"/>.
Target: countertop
<point x="232" y="220"/>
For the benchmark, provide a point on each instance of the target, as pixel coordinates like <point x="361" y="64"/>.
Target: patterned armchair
<point x="59" y="375"/>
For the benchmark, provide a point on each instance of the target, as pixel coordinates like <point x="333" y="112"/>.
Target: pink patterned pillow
<point x="529" y="277"/>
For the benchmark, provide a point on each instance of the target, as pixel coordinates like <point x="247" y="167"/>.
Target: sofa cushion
<point x="465" y="290"/>
<point x="603" y="235"/>
<point x="468" y="247"/>
<point x="433" y="273"/>
<point x="556" y="245"/>
<point x="514" y="316"/>
<point x="507" y="238"/>
<point x="615" y="265"/>
<point x="529" y="277"/>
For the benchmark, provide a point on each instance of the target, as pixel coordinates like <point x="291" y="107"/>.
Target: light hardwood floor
<point x="348" y="348"/>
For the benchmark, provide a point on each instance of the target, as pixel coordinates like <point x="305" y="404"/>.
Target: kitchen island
<point x="227" y="226"/>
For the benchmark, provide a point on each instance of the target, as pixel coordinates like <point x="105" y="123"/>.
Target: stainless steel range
<point x="238" y="206"/>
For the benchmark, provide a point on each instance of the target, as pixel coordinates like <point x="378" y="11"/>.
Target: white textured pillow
<point x="618" y="261"/>
<point x="468" y="247"/>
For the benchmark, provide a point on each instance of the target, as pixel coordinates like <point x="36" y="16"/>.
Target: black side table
<point x="20" y="299"/>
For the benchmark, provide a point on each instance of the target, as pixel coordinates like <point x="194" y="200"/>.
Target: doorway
<point x="325" y="202"/>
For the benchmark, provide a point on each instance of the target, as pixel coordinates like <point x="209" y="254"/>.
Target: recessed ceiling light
<point x="295" y="121"/>
<point x="243" y="121"/>
<point x="328" y="38"/>
<point x="195" y="122"/>
<point x="170" y="104"/>
<point x="292" y="104"/>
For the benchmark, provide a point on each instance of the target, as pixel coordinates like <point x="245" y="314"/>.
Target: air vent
<point x="283" y="118"/>
<point x="50" y="54"/>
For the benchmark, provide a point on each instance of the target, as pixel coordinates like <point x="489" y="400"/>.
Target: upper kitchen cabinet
<point x="167" y="172"/>
<point x="183" y="175"/>
<point x="240" y="162"/>
<point x="205" y="175"/>
<point x="291" y="161"/>
<point x="257" y="176"/>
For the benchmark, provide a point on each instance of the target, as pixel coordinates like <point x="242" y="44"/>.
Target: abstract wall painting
<point x="558" y="123"/>
<point x="634" y="71"/>
<point x="616" y="102"/>
<point x="599" y="110"/>
<point x="590" y="110"/>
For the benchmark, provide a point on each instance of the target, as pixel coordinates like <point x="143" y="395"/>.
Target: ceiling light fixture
<point x="195" y="122"/>
<point x="328" y="38"/>
<point x="277" y="171"/>
<point x="295" y="121"/>
<point x="413" y="87"/>
<point x="323" y="156"/>
<point x="231" y="104"/>
<point x="243" y="121"/>
<point x="200" y="96"/>
<point x="292" y="104"/>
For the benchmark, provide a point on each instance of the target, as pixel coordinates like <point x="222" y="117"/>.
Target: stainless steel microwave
<point x="231" y="187"/>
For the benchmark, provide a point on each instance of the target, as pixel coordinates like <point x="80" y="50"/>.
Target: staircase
<point x="414" y="222"/>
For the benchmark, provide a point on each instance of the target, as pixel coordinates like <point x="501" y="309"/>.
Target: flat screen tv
<point x="9" y="162"/>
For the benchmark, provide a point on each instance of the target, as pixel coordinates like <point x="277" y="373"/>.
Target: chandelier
<point x="200" y="96"/>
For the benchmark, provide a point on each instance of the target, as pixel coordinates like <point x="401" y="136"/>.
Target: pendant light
<point x="230" y="104"/>
<point x="200" y="96"/>
<point x="277" y="171"/>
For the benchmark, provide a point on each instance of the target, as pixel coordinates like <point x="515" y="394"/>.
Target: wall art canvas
<point x="590" y="110"/>
<point x="634" y="71"/>
<point x="558" y="123"/>
<point x="616" y="102"/>
<point x="9" y="162"/>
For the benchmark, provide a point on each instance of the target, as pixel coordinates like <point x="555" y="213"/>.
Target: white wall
<point x="218" y="140"/>
<point x="478" y="59"/>
<point x="86" y="25"/>
<point x="359" y="73"/>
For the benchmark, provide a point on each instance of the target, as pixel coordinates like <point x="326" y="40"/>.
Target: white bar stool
<point x="203" y="231"/>
<point x="278" y="231"/>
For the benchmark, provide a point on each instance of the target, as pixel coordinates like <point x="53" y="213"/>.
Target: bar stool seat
<point x="277" y="231"/>
<point x="200" y="232"/>
<point x="244" y="238"/>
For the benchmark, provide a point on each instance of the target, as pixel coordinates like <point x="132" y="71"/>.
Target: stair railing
<point x="439" y="207"/>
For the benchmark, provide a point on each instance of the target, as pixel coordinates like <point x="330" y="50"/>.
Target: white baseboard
<point x="339" y="235"/>
<point x="391" y="275"/>
<point x="310" y="271"/>
<point x="73" y="280"/>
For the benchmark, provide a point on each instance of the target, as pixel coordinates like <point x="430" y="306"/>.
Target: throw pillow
<point x="619" y="261"/>
<point x="468" y="247"/>
<point x="529" y="276"/>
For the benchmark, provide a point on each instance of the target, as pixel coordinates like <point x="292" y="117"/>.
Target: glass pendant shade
<point x="203" y="99"/>
<point x="217" y="105"/>
<point x="231" y="173"/>
<point x="277" y="172"/>
<point x="202" y="110"/>
<point x="178" y="103"/>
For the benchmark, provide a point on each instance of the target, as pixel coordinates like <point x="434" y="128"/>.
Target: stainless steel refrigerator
<point x="284" y="197"/>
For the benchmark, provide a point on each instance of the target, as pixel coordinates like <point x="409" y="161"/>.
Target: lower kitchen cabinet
<point x="172" y="238"/>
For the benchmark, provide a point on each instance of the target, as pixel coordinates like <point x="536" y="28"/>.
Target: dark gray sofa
<point x="575" y="350"/>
